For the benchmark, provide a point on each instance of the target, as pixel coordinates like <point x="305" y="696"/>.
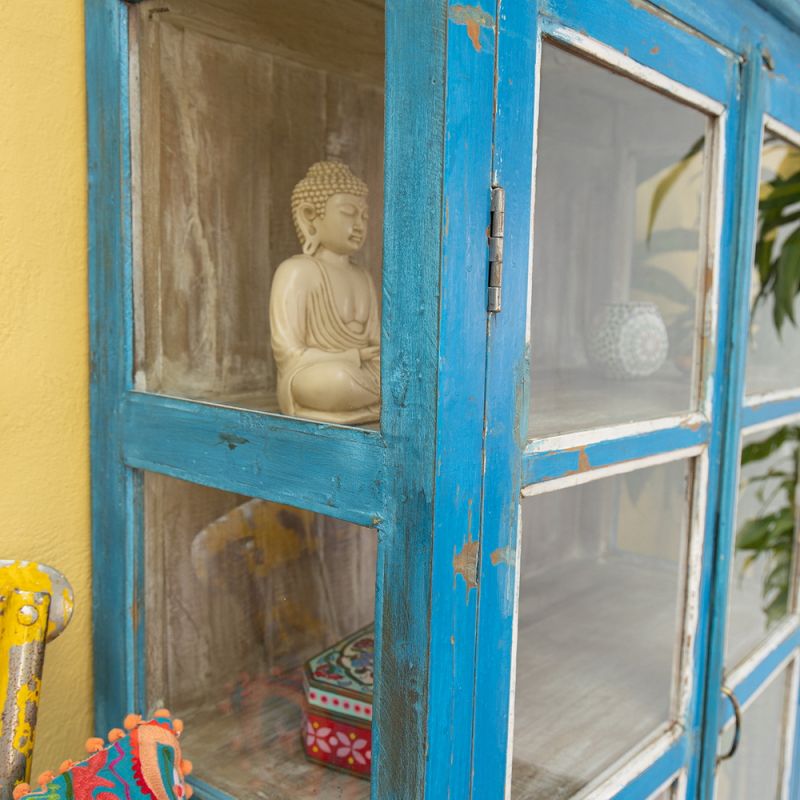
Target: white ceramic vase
<point x="629" y="340"/>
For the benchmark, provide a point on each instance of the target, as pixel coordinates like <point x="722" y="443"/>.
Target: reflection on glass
<point x="599" y="616"/>
<point x="236" y="102"/>
<point x="773" y="361"/>
<point x="756" y="770"/>
<point x="763" y="574"/>
<point x="240" y="594"/>
<point x="619" y="243"/>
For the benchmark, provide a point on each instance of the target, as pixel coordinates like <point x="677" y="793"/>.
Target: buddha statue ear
<point x="306" y="216"/>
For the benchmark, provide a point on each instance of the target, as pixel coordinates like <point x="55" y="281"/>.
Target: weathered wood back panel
<point x="234" y="106"/>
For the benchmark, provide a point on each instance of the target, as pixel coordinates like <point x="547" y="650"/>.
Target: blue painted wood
<point x="770" y="411"/>
<point x="685" y="57"/>
<point x="117" y="600"/>
<point x="787" y="11"/>
<point x="741" y="175"/>
<point x="413" y="211"/>
<point x="506" y="399"/>
<point x="629" y="28"/>
<point x="460" y="397"/>
<point x="784" y="94"/>
<point x="547" y="465"/>
<point x="761" y="673"/>
<point x="734" y="24"/>
<point x="657" y="774"/>
<point x="325" y="468"/>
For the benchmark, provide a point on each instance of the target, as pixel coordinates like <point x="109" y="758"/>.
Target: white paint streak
<point x="633" y="69"/>
<point x="621" y="468"/>
<point x="572" y="441"/>
<point x="621" y="773"/>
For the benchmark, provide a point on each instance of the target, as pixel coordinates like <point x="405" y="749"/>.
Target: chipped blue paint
<point x="444" y="654"/>
<point x="328" y="469"/>
<point x="506" y="399"/>
<point x="547" y="465"/>
<point x="460" y="401"/>
<point x="117" y="600"/>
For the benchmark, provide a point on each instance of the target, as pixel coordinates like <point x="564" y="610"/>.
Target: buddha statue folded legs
<point x="324" y="311"/>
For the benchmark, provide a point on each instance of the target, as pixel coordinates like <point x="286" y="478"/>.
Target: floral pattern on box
<point x="338" y="689"/>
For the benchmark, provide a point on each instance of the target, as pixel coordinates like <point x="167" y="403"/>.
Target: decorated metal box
<point x="338" y="712"/>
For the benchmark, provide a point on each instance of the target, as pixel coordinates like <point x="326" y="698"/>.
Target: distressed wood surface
<point x="741" y="174"/>
<point x="543" y="464"/>
<point x="594" y="670"/>
<point x="116" y="543"/>
<point x="325" y="468"/>
<point x="229" y="122"/>
<point x="415" y="670"/>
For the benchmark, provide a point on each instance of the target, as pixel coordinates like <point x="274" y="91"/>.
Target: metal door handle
<point x="737" y="733"/>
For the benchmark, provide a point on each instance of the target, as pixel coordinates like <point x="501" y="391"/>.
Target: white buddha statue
<point x="324" y="312"/>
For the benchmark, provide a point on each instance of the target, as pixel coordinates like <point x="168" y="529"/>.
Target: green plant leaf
<point x="753" y="534"/>
<point x="756" y="451"/>
<point x="787" y="280"/>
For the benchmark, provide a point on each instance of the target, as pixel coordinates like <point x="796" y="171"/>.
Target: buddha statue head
<point x="329" y="209"/>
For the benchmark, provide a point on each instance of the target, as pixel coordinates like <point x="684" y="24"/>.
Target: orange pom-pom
<point x="65" y="765"/>
<point x="20" y="790"/>
<point x="45" y="778"/>
<point x="95" y="744"/>
<point x="189" y="791"/>
<point x="186" y="766"/>
<point x="115" y="734"/>
<point x="162" y="712"/>
<point x="131" y="721"/>
<point x="177" y="726"/>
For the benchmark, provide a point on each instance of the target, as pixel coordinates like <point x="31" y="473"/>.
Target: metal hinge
<point x="496" y="230"/>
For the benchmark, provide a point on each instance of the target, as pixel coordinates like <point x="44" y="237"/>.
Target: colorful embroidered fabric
<point x="143" y="764"/>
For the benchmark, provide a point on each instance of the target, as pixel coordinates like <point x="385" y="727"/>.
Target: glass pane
<point x="773" y="361"/>
<point x="241" y="595"/>
<point x="258" y="157"/>
<point x="756" y="770"/>
<point x="599" y="617"/>
<point x="619" y="245"/>
<point x="762" y="580"/>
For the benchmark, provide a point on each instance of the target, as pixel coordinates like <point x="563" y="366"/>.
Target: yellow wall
<point x="44" y="416"/>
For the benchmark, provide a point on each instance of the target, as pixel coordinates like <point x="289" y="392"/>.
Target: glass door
<point x="602" y="404"/>
<point x="757" y="705"/>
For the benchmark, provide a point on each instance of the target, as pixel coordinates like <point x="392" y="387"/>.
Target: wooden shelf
<point x="258" y="753"/>
<point x="594" y="666"/>
<point x="581" y="399"/>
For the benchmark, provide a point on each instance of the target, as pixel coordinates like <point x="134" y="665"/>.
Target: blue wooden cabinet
<point x="575" y="524"/>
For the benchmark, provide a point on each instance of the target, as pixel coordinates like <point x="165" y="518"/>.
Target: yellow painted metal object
<point x="35" y="607"/>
